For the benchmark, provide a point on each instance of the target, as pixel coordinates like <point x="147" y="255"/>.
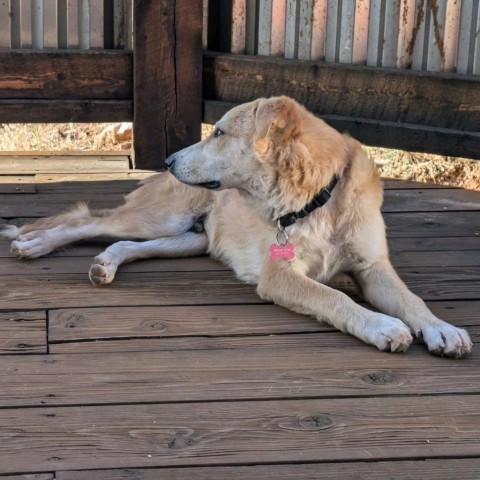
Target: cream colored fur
<point x="269" y="157"/>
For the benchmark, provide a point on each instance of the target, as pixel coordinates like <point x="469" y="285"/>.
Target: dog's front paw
<point x="31" y="245"/>
<point x="388" y="334"/>
<point x="103" y="269"/>
<point x="444" y="339"/>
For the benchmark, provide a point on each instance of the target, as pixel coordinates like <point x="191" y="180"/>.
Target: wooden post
<point x="167" y="78"/>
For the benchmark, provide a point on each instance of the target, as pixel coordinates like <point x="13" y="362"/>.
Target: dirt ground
<point x="418" y="167"/>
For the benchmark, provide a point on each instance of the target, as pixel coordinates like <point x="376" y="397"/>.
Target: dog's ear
<point x="271" y="116"/>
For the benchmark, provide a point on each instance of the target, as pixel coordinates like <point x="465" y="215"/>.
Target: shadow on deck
<point x="177" y="364"/>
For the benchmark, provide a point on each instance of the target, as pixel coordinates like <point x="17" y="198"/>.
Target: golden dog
<point x="288" y="203"/>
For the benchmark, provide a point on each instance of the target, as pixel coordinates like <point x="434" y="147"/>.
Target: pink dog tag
<point x="277" y="252"/>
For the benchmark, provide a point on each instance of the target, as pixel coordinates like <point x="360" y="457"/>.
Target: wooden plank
<point x="345" y="89"/>
<point x="15" y="165"/>
<point x="70" y="290"/>
<point x="167" y="97"/>
<point x="433" y="224"/>
<point x="398" y="184"/>
<point x="433" y="244"/>
<point x="23" y="332"/>
<point x="431" y="200"/>
<point x="34" y="476"/>
<point x="466" y="469"/>
<point x="66" y="75"/>
<point x="419" y="138"/>
<point x="276" y="372"/>
<point x="398" y="246"/>
<point x="448" y="258"/>
<point x="145" y="322"/>
<point x="62" y="111"/>
<point x="188" y="288"/>
<point x="69" y="325"/>
<point x="388" y="134"/>
<point x="41" y="205"/>
<point x="17" y="184"/>
<point x="372" y="131"/>
<point x="81" y="264"/>
<point x="239" y="432"/>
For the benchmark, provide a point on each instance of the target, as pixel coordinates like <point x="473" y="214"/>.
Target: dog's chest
<point x="322" y="249"/>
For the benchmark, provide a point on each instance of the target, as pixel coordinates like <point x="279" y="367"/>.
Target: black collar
<point x="319" y="200"/>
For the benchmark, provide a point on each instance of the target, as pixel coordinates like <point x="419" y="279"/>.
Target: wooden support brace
<point x="167" y="78"/>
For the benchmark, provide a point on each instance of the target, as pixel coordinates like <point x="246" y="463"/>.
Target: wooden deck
<point x="179" y="371"/>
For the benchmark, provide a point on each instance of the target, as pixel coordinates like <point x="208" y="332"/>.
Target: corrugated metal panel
<point x="63" y="24"/>
<point x="433" y="35"/>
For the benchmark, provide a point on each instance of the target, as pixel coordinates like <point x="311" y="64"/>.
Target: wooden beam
<point x="62" y="111"/>
<point x="418" y="138"/>
<point x="167" y="78"/>
<point x="397" y="108"/>
<point x="65" y="75"/>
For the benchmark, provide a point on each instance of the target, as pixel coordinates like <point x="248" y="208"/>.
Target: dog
<point x="283" y="199"/>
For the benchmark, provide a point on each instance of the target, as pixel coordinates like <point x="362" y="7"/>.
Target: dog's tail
<point x="77" y="215"/>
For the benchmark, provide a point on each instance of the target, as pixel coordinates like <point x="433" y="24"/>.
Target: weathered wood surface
<point x="62" y="111"/>
<point x="167" y="78"/>
<point x="23" y="332"/>
<point x="408" y="470"/>
<point x="64" y="75"/>
<point x="178" y="365"/>
<point x="61" y="86"/>
<point x="440" y="99"/>
<point x="304" y="430"/>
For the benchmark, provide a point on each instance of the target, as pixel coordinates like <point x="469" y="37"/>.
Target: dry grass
<point x="417" y="167"/>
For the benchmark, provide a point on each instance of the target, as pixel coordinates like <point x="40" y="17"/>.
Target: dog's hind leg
<point x="105" y="265"/>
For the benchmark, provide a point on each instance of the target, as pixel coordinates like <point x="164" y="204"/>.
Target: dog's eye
<point x="218" y="133"/>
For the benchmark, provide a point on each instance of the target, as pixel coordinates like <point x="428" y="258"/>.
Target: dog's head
<point x="271" y="148"/>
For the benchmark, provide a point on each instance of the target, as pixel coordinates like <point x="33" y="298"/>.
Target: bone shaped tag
<point x="278" y="252"/>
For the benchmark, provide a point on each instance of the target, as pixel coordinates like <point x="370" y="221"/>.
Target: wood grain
<point x="430" y="200"/>
<point x="213" y="320"/>
<point x="23" y="332"/>
<point x="92" y="74"/>
<point x="239" y="432"/>
<point x="63" y="111"/>
<point x="167" y="78"/>
<point x="385" y="133"/>
<point x="303" y="367"/>
<point x="466" y="469"/>
<point x="17" y="184"/>
<point x="347" y="90"/>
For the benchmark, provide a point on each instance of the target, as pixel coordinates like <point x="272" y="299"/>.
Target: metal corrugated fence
<point x="432" y="35"/>
<point x="59" y="24"/>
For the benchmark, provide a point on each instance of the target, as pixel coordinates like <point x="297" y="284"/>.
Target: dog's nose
<point x="170" y="161"/>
